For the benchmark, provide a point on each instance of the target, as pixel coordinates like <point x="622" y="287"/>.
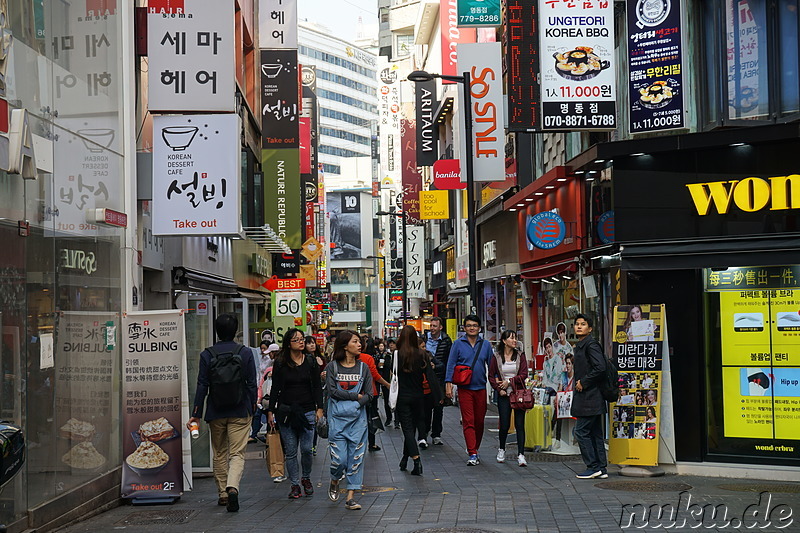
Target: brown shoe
<point x="223" y="500"/>
<point x="308" y="488"/>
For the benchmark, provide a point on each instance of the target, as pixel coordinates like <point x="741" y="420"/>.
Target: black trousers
<point x="438" y="412"/>
<point x="409" y="412"/>
<point x="386" y="407"/>
<point x="504" y="410"/>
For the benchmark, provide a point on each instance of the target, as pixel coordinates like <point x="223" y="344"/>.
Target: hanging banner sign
<point x="412" y="179"/>
<point x="196" y="175"/>
<point x="655" y="55"/>
<point x="280" y="99"/>
<point x="191" y="58"/>
<point x="416" y="261"/>
<point x="434" y="205"/>
<point x="478" y="13"/>
<point x="639" y="347"/>
<point x="389" y="76"/>
<point x="578" y="87"/>
<point x="155" y="404"/>
<point x="522" y="59"/>
<point x="447" y="175"/>
<point x="427" y="130"/>
<point x="451" y="36"/>
<point x="277" y="24"/>
<point x="283" y="205"/>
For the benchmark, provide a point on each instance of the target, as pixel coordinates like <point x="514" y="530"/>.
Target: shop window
<point x="349" y="302"/>
<point x="789" y="61"/>
<point x="347" y="276"/>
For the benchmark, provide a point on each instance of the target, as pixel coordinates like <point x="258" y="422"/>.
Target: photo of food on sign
<point x="579" y="64"/>
<point x="656" y="95"/>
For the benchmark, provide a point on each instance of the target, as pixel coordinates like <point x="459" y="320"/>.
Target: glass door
<point x="199" y="335"/>
<point x="238" y="307"/>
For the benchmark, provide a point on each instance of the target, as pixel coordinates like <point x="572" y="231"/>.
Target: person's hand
<point x="271" y="419"/>
<point x="503" y="392"/>
<point x="359" y="396"/>
<point x="323" y="374"/>
<point x="448" y="390"/>
<point x="269" y="374"/>
<point x="193" y="420"/>
<point x="319" y="414"/>
<point x="503" y="385"/>
<point x="578" y="386"/>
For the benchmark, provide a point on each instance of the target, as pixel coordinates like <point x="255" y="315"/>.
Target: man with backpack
<point x="227" y="375"/>
<point x="588" y="402"/>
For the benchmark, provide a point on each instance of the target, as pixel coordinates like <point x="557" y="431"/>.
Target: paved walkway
<point x="450" y="497"/>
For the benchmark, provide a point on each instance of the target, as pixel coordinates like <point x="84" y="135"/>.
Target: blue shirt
<point x="462" y="353"/>
<point x="433" y="344"/>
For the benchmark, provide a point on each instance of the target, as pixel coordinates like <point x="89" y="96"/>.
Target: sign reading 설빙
<point x="196" y="170"/>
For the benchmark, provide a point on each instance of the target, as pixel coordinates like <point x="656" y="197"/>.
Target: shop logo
<point x="652" y="12"/>
<point x="546" y="230"/>
<point x="605" y="227"/>
<point x="749" y="194"/>
<point x="389" y="75"/>
<point x="79" y="260"/>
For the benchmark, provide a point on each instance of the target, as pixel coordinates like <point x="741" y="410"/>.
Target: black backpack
<point x="226" y="377"/>
<point x="609" y="386"/>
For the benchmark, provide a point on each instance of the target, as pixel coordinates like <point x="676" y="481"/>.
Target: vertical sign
<point x="308" y="163"/>
<point x="344" y="210"/>
<point x="282" y="201"/>
<point x="412" y="180"/>
<point x="279" y="99"/>
<point x="427" y="131"/>
<point x="277" y="24"/>
<point x="416" y="261"/>
<point x="389" y="121"/>
<point x="522" y="58"/>
<point x="639" y="345"/>
<point x="452" y="35"/>
<point x="654" y="51"/>
<point x="478" y="13"/>
<point x="196" y="175"/>
<point x="191" y="58"/>
<point x="577" y="65"/>
<point x="483" y="62"/>
<point x="155" y="406"/>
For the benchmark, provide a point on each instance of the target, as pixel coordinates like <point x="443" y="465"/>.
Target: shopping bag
<point x="274" y="453"/>
<point x="374" y="419"/>
<point x="394" y="385"/>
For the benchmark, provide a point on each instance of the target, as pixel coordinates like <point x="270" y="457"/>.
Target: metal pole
<point x="473" y="237"/>
<point x="405" y="270"/>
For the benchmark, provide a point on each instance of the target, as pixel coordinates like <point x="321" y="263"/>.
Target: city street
<point x="451" y="497"/>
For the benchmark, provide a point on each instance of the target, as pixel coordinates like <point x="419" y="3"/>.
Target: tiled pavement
<point x="545" y="497"/>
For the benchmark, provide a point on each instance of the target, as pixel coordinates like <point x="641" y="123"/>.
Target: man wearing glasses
<point x="471" y="351"/>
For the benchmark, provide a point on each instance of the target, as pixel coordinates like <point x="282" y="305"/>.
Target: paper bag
<point x="274" y="453"/>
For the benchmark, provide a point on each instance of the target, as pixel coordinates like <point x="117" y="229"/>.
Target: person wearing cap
<point x="263" y="361"/>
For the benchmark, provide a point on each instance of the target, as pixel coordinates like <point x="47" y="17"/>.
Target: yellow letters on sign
<point x="749" y="194"/>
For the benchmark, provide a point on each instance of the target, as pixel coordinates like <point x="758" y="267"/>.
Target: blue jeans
<point x="505" y="411"/>
<point x="589" y="434"/>
<point x="291" y="438"/>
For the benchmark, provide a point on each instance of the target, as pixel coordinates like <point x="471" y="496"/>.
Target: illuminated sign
<point x="749" y="194"/>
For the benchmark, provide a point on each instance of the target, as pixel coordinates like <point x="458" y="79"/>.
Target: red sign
<point x="310" y="216"/>
<point x="305" y="145"/>
<point x="278" y="284"/>
<point x="114" y="218"/>
<point x="412" y="180"/>
<point x="447" y="175"/>
<point x="451" y="36"/>
<point x="166" y="6"/>
<point x="100" y="8"/>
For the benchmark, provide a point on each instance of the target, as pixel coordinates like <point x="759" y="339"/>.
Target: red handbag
<point x="521" y="398"/>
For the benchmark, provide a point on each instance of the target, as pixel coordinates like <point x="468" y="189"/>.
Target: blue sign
<point x="605" y="227"/>
<point x="546" y="230"/>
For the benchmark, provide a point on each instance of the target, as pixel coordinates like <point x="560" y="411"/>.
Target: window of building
<point x="405" y="45"/>
<point x="335" y="60"/>
<point x="349" y="302"/>
<point x="347" y="100"/>
<point x="345" y="117"/>
<point x="331" y="169"/>
<point x="347" y="82"/>
<point x="346" y="135"/>
<point x="341" y="152"/>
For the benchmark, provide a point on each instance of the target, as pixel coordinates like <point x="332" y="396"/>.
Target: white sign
<point x="277" y="24"/>
<point x="389" y="77"/>
<point x="288" y="303"/>
<point x="191" y="58"/>
<point x="577" y="65"/>
<point x="416" y="261"/>
<point x="483" y="61"/>
<point x="46" y="359"/>
<point x="196" y="175"/>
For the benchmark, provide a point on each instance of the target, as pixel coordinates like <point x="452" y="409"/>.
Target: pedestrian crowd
<point x="298" y="392"/>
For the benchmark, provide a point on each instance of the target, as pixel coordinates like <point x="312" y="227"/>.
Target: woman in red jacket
<point x="507" y="371"/>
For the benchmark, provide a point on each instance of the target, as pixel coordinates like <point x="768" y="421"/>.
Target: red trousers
<point x="473" y="413"/>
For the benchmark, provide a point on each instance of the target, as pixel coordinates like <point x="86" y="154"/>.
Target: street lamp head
<point x="387" y="213"/>
<point x="419" y="76"/>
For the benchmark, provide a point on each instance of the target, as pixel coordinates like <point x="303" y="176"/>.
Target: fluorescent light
<point x="737" y="144"/>
<point x="599" y="160"/>
<point x="539" y="194"/>
<point x="528" y="199"/>
<point x="638" y="154"/>
<point x="579" y="172"/>
<point x="561" y="179"/>
<point x="550" y="187"/>
<point x="520" y="205"/>
<point x="589" y="179"/>
<point x="513" y="210"/>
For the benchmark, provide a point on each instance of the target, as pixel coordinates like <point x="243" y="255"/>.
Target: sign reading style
<point x="280" y="112"/>
<point x="478" y="13"/>
<point x="191" y="58"/>
<point x="577" y="70"/>
<point x="522" y="59"/>
<point x="277" y="24"/>
<point x="483" y="63"/>
<point x="196" y="175"/>
<point x="654" y="52"/>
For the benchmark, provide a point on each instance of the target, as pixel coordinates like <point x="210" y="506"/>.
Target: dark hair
<point x="286" y="345"/>
<point x="370" y="347"/>
<point x="411" y="356"/>
<point x="264" y="343"/>
<point x="547" y="340"/>
<point x="501" y="346"/>
<point x="649" y="409"/>
<point x="570" y="357"/>
<point x="588" y="319"/>
<point x="226" y="327"/>
<point x="472" y="318"/>
<point x="389" y="341"/>
<point x="437" y="319"/>
<point x="318" y="351"/>
<point x="561" y="327"/>
<point x="340" y="344"/>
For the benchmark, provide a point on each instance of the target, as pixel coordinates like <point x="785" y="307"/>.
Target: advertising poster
<point x="522" y="60"/>
<point x="344" y="212"/>
<point x="760" y="335"/>
<point x="655" y="55"/>
<point x="155" y="404"/>
<point x="478" y="13"/>
<point x="196" y="175"/>
<point x="193" y="58"/>
<point x="578" y="80"/>
<point x="639" y="345"/>
<point x="280" y="93"/>
<point x="283" y="205"/>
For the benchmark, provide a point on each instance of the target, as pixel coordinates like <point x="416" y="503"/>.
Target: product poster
<point x="155" y="404"/>
<point x="639" y="345"/>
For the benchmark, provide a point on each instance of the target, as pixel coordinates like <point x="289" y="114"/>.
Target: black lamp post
<point x="385" y="290"/>
<point x="419" y="76"/>
<point x="403" y="217"/>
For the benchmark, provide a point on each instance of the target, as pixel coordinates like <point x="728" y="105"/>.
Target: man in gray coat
<point x="588" y="405"/>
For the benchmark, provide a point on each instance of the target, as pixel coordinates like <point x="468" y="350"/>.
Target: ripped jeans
<point x="348" y="445"/>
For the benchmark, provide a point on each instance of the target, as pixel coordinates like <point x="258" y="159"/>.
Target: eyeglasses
<point x="472" y="326"/>
<point x="301" y="339"/>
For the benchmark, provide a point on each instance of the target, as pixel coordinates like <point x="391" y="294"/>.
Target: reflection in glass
<point x="789" y="60"/>
<point x="748" y="89"/>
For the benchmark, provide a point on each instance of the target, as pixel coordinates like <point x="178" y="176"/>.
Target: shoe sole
<point x="593" y="476"/>
<point x="233" y="503"/>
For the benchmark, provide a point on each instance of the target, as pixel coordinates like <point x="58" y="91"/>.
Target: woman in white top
<point x="508" y="370"/>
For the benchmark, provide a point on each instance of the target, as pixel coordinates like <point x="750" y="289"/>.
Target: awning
<point x="720" y="252"/>
<point x="498" y="271"/>
<point x="183" y="278"/>
<point x="460" y="291"/>
<point x="257" y="297"/>
<point x="550" y="270"/>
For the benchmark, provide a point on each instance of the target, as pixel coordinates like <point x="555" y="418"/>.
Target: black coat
<point x="442" y="355"/>
<point x="590" y="367"/>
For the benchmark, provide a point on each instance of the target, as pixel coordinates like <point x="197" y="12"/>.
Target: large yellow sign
<point x="434" y="205"/>
<point x="749" y="194"/>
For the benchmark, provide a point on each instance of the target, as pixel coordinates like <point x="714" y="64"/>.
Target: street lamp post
<point x="403" y="217"/>
<point x="382" y="281"/>
<point x="465" y="79"/>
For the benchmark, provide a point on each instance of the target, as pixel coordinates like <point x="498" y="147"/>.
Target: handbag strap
<point x="477" y="353"/>
<point x="394" y="362"/>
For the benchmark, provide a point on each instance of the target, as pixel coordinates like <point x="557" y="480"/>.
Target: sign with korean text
<point x="155" y="404"/>
<point x="639" y="349"/>
<point x="427" y="129"/>
<point x="283" y="207"/>
<point x="522" y="60"/>
<point x="389" y="76"/>
<point x="196" y="175"/>
<point x="434" y="205"/>
<point x="415" y="265"/>
<point x="483" y="63"/>
<point x="577" y="65"/>
<point x="447" y="175"/>
<point x="655" y="64"/>
<point x="412" y="179"/>
<point x="478" y="13"/>
<point x="280" y="111"/>
<point x="191" y="58"/>
<point x="451" y="36"/>
<point x="277" y="24"/>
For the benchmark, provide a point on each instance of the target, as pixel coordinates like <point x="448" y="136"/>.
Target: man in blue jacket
<point x="229" y="424"/>
<point x="471" y="350"/>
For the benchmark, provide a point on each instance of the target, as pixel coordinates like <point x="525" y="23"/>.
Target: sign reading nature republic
<point x="578" y="80"/>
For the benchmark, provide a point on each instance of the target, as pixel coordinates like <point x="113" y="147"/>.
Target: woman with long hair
<point x="350" y="389"/>
<point x="296" y="403"/>
<point x="312" y="349"/>
<point x="508" y="370"/>
<point x="410" y="396"/>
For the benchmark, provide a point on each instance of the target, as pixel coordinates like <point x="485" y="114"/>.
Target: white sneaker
<point x="501" y="456"/>
<point x="279" y="479"/>
<point x="423" y="444"/>
<point x="521" y="460"/>
<point x="438" y="441"/>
